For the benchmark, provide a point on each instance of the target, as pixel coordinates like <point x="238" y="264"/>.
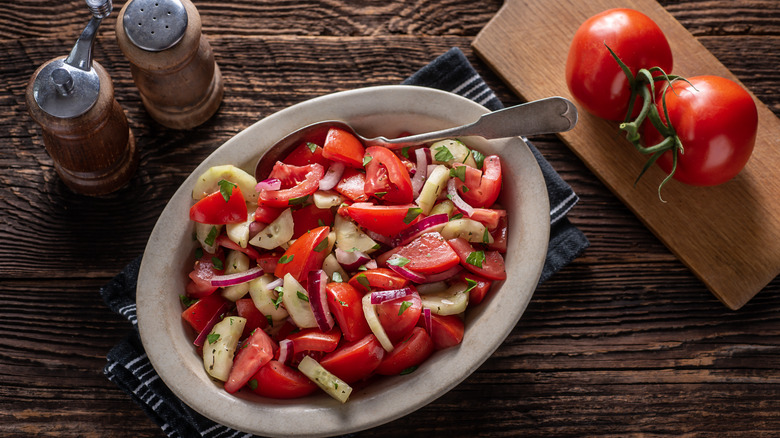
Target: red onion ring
<point x="427" y="320"/>
<point x="431" y="223"/>
<point x="351" y="260"/>
<point x="461" y="205"/>
<point x="421" y="171"/>
<point x="380" y="296"/>
<point x="407" y="273"/>
<point x="286" y="350"/>
<point x="269" y="184"/>
<point x="318" y="299"/>
<point x="444" y="275"/>
<point x="332" y="176"/>
<point x="237" y="278"/>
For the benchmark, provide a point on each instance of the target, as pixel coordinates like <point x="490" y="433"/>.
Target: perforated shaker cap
<point x="155" y="25"/>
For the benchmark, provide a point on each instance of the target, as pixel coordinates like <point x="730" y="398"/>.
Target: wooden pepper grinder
<point x="172" y="63"/>
<point x="85" y="130"/>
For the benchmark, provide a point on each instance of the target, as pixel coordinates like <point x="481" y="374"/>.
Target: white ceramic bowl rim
<point x="164" y="267"/>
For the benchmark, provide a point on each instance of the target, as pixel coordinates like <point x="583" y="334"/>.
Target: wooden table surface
<point x="623" y="341"/>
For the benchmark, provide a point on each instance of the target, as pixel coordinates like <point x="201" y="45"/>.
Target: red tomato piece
<point x="277" y="380"/>
<point x="346" y="306"/>
<point x="387" y="178"/>
<point x="298" y="182"/>
<point x="481" y="287"/>
<point x="309" y="218"/>
<point x="387" y="220"/>
<point x="314" y="339"/>
<point x="201" y="275"/>
<point x="304" y="255"/>
<point x="344" y="147"/>
<point x="429" y="254"/>
<point x="356" y="360"/>
<point x="255" y="352"/>
<point x="446" y="330"/>
<point x="245" y="308"/>
<point x="377" y="279"/>
<point x="410" y="352"/>
<point x="481" y="192"/>
<point x="595" y="80"/>
<point x="266" y="214"/>
<point x="489" y="264"/>
<point x="200" y="313"/>
<point x="268" y="262"/>
<point x="214" y="209"/>
<point x="306" y="153"/>
<point x="400" y="315"/>
<point x="224" y="241"/>
<point x="352" y="185"/>
<point x="499" y="235"/>
<point x="488" y="217"/>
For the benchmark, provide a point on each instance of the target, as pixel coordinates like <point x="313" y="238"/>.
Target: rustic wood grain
<point x="625" y="341"/>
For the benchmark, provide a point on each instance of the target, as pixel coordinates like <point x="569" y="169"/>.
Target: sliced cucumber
<point x="326" y="380"/>
<point x="330" y="265"/>
<point x="296" y="301"/>
<point x="239" y="233"/>
<point x="208" y="182"/>
<point x="451" y="301"/>
<point x="369" y="311"/>
<point x="433" y="187"/>
<point x="235" y="262"/>
<point x="468" y="229"/>
<point x="221" y="345"/>
<point x="327" y="199"/>
<point x="444" y="207"/>
<point x="276" y="233"/>
<point x="350" y="238"/>
<point x="454" y="151"/>
<point x="265" y="299"/>
<point x="207" y="235"/>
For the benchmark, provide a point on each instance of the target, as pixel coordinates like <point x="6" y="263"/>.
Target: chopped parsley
<point x="226" y="189"/>
<point x="253" y="382"/>
<point x="280" y="291"/>
<point x="312" y="147"/>
<point x="363" y="280"/>
<point x="286" y="259"/>
<point x="397" y="260"/>
<point x="198" y="253"/>
<point x="404" y="305"/>
<point x="471" y="285"/>
<point x="269" y="319"/>
<point x="456" y="216"/>
<point x="380" y="194"/>
<point x="217" y="263"/>
<point x="405" y="152"/>
<point x="212" y="338"/>
<point x="486" y="236"/>
<point x="212" y="236"/>
<point x="412" y="214"/>
<point x="367" y="159"/>
<point x="337" y="277"/>
<point x="302" y="296"/>
<point x="476" y="258"/>
<point x="464" y="188"/>
<point x="322" y="245"/>
<point x="298" y="201"/>
<point x="409" y="370"/>
<point x="459" y="172"/>
<point x="187" y="301"/>
<point x="479" y="157"/>
<point x="443" y="154"/>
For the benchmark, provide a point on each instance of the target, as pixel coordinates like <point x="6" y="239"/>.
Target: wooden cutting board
<point x="728" y="235"/>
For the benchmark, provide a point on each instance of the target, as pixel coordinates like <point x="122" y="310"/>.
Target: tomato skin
<point x="429" y="254"/>
<point x="492" y="266"/>
<point x="303" y="155"/>
<point x="200" y="276"/>
<point x="388" y="220"/>
<point x="213" y="209"/>
<point x="478" y="293"/>
<point x="355" y="360"/>
<point x="224" y="241"/>
<point x="277" y="380"/>
<point x="716" y="120"/>
<point x="345" y="304"/>
<point x="411" y="351"/>
<point x="483" y="191"/>
<point x="594" y="78"/>
<point x="297" y="182"/>
<point x="266" y="214"/>
<point x="377" y="279"/>
<point x="446" y="330"/>
<point x="199" y="313"/>
<point x="314" y="339"/>
<point x="245" y="308"/>
<point x="309" y="218"/>
<point x="396" y="320"/>
<point x="302" y="257"/>
<point x="255" y="352"/>
<point x="352" y="185"/>
<point x="386" y="173"/>
<point x="344" y="147"/>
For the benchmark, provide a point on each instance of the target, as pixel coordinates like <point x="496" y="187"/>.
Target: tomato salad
<point x="344" y="263"/>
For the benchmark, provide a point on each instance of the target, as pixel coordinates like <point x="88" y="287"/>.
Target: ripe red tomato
<point x="344" y="147"/>
<point x="309" y="218"/>
<point x="345" y="303"/>
<point x="297" y="182"/>
<point x="245" y="308"/>
<point x="352" y="185"/>
<point x="387" y="220"/>
<point x="377" y="279"/>
<point x="214" y="209"/>
<point x="429" y="254"/>
<point x="306" y="153"/>
<point x="446" y="330"/>
<point x="304" y="255"/>
<point x="410" y="352"/>
<point x="355" y="360"/>
<point x="716" y="121"/>
<point x="387" y="178"/>
<point x="399" y="316"/>
<point x="481" y="188"/>
<point x="314" y="339"/>
<point x="255" y="352"/>
<point x="200" y="313"/>
<point x="277" y="380"/>
<point x="595" y="79"/>
<point x="488" y="264"/>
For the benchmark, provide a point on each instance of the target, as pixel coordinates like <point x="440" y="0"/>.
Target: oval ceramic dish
<point x="385" y="110"/>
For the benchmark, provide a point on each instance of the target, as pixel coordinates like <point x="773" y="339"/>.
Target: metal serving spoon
<point x="544" y="116"/>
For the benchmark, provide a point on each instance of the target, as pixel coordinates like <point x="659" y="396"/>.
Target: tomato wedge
<point x="446" y="330"/>
<point x="214" y="209"/>
<point x="313" y="339"/>
<point x="277" y="380"/>
<point x="306" y="153"/>
<point x="245" y="308"/>
<point x="377" y="279"/>
<point x="304" y="255"/>
<point x="309" y="218"/>
<point x="201" y="274"/>
<point x="298" y="182"/>
<point x="429" y="254"/>
<point x="481" y="192"/>
<point x="344" y="147"/>
<point x="489" y="264"/>
<point x="200" y="313"/>
<point x="355" y="360"/>
<point x="224" y="241"/>
<point x="352" y="185"/>
<point x="255" y="352"/>
<point x="388" y="220"/>
<point x="408" y="353"/>
<point x="480" y="289"/>
<point x="387" y="178"/>
<point x="345" y="304"/>
<point x="399" y="316"/>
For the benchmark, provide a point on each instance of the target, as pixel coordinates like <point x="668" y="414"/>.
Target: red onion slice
<point x="286" y="350"/>
<point x="444" y="275"/>
<point x="421" y="171"/>
<point x="431" y="223"/>
<point x="351" y="260"/>
<point x="407" y="273"/>
<point x="381" y="238"/>
<point x="380" y="296"/>
<point x="201" y="339"/>
<point x="237" y="278"/>
<point x="318" y="299"/>
<point x="371" y="264"/>
<point x="274" y="284"/>
<point x="427" y="320"/>
<point x="332" y="176"/>
<point x="461" y="205"/>
<point x="269" y="184"/>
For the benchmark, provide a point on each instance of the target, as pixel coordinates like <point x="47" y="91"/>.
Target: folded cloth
<point x="130" y="369"/>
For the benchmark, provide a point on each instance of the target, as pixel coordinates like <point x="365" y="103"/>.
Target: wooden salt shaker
<point x="85" y="130"/>
<point x="172" y="63"/>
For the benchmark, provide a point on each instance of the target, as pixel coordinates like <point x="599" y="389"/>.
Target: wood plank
<point x="728" y="235"/>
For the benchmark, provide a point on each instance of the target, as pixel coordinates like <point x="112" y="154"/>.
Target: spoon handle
<point x="544" y="116"/>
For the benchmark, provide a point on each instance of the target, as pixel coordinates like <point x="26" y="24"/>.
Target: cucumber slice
<point x="221" y="345"/>
<point x="452" y="151"/>
<point x="433" y="187"/>
<point x="208" y="182"/>
<point x="239" y="233"/>
<point x="327" y="199"/>
<point x="207" y="233"/>
<point x="350" y="238"/>
<point x="451" y="301"/>
<point x="235" y="262"/>
<point x="326" y="380"/>
<point x="468" y="229"/>
<point x="276" y="233"/>
<point x="296" y="301"/>
<point x="265" y="299"/>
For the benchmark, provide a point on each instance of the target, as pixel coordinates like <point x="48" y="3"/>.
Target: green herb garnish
<point x="286" y="259"/>
<point x="412" y="214"/>
<point x="397" y="260"/>
<point x="226" y="189"/>
<point x="459" y="172"/>
<point x="404" y="305"/>
<point x="443" y="154"/>
<point x="211" y="237"/>
<point x="312" y="147"/>
<point x="476" y="258"/>
<point x="212" y="338"/>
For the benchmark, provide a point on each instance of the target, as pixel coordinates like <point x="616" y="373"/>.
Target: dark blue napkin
<point x="131" y="370"/>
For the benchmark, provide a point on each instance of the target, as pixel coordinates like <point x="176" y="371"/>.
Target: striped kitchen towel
<point x="129" y="368"/>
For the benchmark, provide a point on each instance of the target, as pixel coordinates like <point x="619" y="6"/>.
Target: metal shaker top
<point x="155" y="25"/>
<point x="69" y="87"/>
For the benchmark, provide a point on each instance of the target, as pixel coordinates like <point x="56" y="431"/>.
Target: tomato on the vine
<point x="595" y="80"/>
<point x="715" y="120"/>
